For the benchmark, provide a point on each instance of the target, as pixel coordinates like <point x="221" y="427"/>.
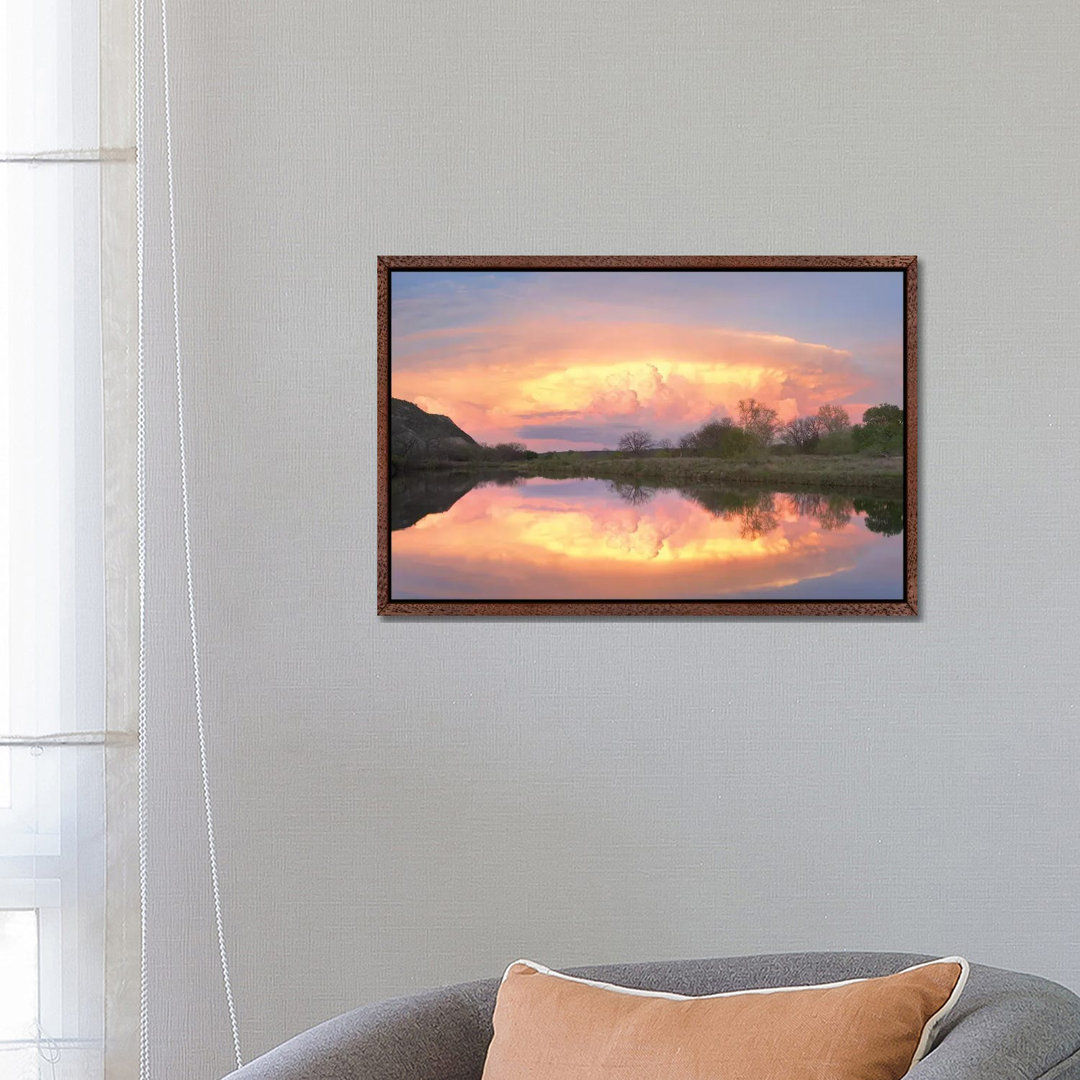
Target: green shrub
<point x="720" y="438"/>
<point x="881" y="432"/>
<point x="836" y="443"/>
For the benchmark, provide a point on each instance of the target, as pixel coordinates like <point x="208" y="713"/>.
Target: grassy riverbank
<point x="882" y="475"/>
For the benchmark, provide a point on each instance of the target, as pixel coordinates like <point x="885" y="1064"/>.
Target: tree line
<point x="758" y="512"/>
<point x="412" y="448"/>
<point x="506" y="451"/>
<point x="828" y="431"/>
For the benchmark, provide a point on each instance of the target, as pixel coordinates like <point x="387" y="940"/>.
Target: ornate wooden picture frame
<point x="647" y="435"/>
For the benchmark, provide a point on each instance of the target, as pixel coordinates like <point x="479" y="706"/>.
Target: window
<point x="52" y="578"/>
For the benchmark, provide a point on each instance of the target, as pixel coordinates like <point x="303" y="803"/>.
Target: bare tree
<point x="802" y="432"/>
<point x="637" y="441"/>
<point x="833" y="418"/>
<point x="759" y="419"/>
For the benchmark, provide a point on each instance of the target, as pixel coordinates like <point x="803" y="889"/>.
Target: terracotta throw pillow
<point x="550" y="1026"/>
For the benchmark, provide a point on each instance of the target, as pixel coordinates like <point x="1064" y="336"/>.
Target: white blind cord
<point x="140" y="454"/>
<point x="197" y="680"/>
<point x="140" y="199"/>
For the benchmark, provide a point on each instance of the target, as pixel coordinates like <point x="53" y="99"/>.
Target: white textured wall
<point x="406" y="803"/>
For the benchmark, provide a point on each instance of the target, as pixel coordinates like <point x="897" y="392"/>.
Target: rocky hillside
<point x="416" y="435"/>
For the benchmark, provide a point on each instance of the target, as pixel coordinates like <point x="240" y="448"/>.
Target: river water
<point x="458" y="536"/>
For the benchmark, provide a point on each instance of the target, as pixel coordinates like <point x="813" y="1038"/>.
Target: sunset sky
<point x="564" y="360"/>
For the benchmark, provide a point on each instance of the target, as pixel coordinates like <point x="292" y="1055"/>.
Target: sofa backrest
<point x="1006" y="1026"/>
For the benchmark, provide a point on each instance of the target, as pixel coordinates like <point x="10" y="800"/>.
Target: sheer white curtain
<point x="61" y="244"/>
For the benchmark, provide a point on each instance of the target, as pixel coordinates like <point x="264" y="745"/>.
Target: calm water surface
<point x="457" y="536"/>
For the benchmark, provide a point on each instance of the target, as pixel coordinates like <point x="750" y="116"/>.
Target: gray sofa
<point x="1005" y="1026"/>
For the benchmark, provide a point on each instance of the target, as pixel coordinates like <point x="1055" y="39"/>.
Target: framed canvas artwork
<point x="647" y="435"/>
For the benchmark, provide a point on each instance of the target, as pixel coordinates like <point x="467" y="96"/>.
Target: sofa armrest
<point x="441" y="1034"/>
<point x="1007" y="1026"/>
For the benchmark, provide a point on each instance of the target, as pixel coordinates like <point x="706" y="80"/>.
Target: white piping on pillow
<point x="928" y="1030"/>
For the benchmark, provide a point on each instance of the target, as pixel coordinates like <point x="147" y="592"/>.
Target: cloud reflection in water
<point x="579" y="539"/>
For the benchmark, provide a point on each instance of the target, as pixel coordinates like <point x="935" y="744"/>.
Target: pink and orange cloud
<point x="562" y="374"/>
